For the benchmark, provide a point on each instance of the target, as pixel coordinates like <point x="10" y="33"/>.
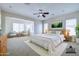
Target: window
<point x="17" y="27"/>
<point x="27" y="27"/>
<point x="45" y="27"/>
<point x="30" y="28"/>
<point x="70" y="25"/>
<point x="21" y="27"/>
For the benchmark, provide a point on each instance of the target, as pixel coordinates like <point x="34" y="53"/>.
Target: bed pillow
<point x="62" y="37"/>
<point x="51" y="32"/>
<point x="58" y="32"/>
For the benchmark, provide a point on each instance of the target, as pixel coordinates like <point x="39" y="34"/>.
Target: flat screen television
<point x="57" y="25"/>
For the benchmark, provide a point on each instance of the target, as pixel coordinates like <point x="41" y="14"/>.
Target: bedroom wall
<point x="7" y="14"/>
<point x="0" y="18"/>
<point x="62" y="18"/>
<point x="6" y="28"/>
<point x="2" y="22"/>
<point x="16" y="15"/>
<point x="9" y="23"/>
<point x="38" y="27"/>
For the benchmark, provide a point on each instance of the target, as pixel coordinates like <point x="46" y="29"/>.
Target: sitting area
<point x="17" y="34"/>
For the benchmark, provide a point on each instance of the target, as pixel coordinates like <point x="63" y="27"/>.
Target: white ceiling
<point x="29" y="8"/>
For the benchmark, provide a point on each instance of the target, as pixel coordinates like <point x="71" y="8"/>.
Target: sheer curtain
<point x="70" y="25"/>
<point x="21" y="27"/>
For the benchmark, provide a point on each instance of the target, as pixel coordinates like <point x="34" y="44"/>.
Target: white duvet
<point x="50" y="42"/>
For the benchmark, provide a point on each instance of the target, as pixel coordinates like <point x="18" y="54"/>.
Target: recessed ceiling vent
<point x="27" y="3"/>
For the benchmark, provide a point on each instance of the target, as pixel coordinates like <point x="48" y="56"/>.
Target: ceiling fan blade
<point x="43" y="15"/>
<point x="46" y="13"/>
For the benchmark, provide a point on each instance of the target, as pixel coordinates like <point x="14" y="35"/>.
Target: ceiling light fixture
<point x="41" y="13"/>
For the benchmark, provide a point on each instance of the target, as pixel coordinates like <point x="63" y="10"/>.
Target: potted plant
<point x="77" y="30"/>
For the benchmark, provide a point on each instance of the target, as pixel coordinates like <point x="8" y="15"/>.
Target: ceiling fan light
<point x="40" y="14"/>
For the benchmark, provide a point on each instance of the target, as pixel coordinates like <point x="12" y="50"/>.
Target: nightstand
<point x="70" y="38"/>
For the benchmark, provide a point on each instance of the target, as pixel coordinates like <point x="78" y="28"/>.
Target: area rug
<point x="43" y="52"/>
<point x="37" y="49"/>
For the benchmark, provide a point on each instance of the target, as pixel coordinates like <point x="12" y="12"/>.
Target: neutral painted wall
<point x="9" y="23"/>
<point x="7" y="14"/>
<point x="16" y="16"/>
<point x="2" y="22"/>
<point x="6" y="29"/>
<point x="38" y="27"/>
<point x="63" y="18"/>
<point x="0" y="18"/>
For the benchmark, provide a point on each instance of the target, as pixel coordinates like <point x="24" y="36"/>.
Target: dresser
<point x="3" y="45"/>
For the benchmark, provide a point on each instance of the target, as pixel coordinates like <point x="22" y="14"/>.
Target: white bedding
<point x="55" y="38"/>
<point x="50" y="42"/>
<point x="52" y="36"/>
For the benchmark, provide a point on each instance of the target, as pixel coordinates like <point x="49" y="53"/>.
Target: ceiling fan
<point x="41" y="13"/>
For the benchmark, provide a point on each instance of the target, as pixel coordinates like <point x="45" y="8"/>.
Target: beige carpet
<point x="37" y="49"/>
<point x="17" y="47"/>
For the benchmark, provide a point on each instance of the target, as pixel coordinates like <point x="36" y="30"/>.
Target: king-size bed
<point x="52" y="42"/>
